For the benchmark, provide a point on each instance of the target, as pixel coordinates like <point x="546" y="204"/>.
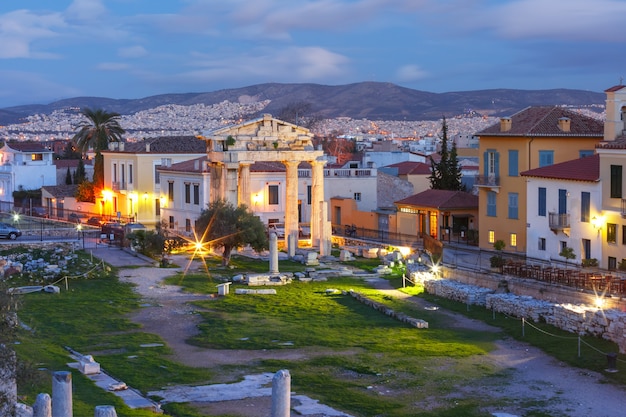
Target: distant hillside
<point x="371" y="100"/>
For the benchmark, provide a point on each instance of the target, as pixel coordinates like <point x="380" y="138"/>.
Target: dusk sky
<point x="51" y="50"/>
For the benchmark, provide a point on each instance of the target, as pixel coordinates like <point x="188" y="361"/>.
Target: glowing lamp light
<point x="16" y="217"/>
<point x="107" y="195"/>
<point x="599" y="302"/>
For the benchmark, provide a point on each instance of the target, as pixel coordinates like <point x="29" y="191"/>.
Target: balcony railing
<point x="487" y="180"/>
<point x="558" y="221"/>
<point x="119" y="186"/>
<point x="357" y="172"/>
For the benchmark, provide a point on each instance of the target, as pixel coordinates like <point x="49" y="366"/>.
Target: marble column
<point x="231" y="182"/>
<point x="42" y="406"/>
<point x="325" y="230"/>
<point x="273" y="253"/>
<point x="317" y="196"/>
<point x="244" y="196"/>
<point x="216" y="181"/>
<point x="281" y="394"/>
<point x="291" y="207"/>
<point x="62" y="394"/>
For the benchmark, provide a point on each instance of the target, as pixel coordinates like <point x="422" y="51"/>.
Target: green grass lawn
<point x="360" y="361"/>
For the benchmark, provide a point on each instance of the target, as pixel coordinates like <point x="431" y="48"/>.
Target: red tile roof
<point x="614" y="88"/>
<point x="583" y="169"/>
<point x="411" y="168"/>
<point x="544" y="121"/>
<point x="165" y="144"/>
<point x="28" y="146"/>
<point x="618" y="143"/>
<point x="441" y="200"/>
<point x="188" y="166"/>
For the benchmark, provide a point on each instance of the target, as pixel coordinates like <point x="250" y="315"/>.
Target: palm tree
<point x="100" y="128"/>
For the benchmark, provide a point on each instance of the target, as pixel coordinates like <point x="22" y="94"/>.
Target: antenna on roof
<point x="621" y="80"/>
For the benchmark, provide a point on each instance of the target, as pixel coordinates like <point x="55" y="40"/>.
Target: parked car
<point x="95" y="221"/>
<point x="9" y="232"/>
<point x="39" y="212"/>
<point x="77" y="218"/>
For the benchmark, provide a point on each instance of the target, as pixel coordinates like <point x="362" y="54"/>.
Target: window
<point x="585" y="206"/>
<point x="188" y="225"/>
<point x="272" y="195"/>
<point x="491" y="203"/>
<point x="513" y="205"/>
<point x="157" y="207"/>
<point x="157" y="176"/>
<point x="357" y="196"/>
<point x="623" y="235"/>
<point x="492" y="236"/>
<point x="513" y="163"/>
<point x="36" y="157"/>
<point x="583" y="153"/>
<point x="170" y="191"/>
<point x="563" y="245"/>
<point x="130" y="173"/>
<point x="513" y="240"/>
<point x="616" y="181"/>
<point x="171" y="222"/>
<point x="546" y="158"/>
<point x="612" y="263"/>
<point x="542" y="243"/>
<point x="611" y="233"/>
<point x="196" y="194"/>
<point x="542" y="202"/>
<point x="308" y="195"/>
<point x="114" y="172"/>
<point x="123" y="175"/>
<point x="187" y="193"/>
<point x="491" y="160"/>
<point x="563" y="194"/>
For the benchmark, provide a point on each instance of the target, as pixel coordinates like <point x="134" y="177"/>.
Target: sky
<point x="126" y="49"/>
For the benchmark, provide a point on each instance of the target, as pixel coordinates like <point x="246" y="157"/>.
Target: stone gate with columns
<point x="231" y="150"/>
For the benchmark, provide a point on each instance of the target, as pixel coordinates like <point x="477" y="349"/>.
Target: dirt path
<point x="531" y="377"/>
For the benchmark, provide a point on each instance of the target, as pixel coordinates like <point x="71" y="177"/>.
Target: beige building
<point x="532" y="138"/>
<point x="133" y="189"/>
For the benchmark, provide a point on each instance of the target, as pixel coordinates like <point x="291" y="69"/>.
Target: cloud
<point x="409" y="73"/>
<point x="136" y="51"/>
<point x="292" y="64"/>
<point x="569" y="20"/>
<point x="86" y="10"/>
<point x="112" y="66"/>
<point x="21" y="28"/>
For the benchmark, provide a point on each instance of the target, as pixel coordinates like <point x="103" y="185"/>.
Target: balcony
<point x="487" y="181"/>
<point x="559" y="222"/>
<point x="118" y="186"/>
<point x="349" y="173"/>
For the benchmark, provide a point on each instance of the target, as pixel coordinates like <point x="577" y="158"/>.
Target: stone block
<point x="88" y="366"/>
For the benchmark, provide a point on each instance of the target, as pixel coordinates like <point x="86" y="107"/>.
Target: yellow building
<point x="132" y="188"/>
<point x="532" y="138"/>
<point x="611" y="222"/>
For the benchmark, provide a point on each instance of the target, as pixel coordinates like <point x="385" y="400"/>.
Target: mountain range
<point x="370" y="100"/>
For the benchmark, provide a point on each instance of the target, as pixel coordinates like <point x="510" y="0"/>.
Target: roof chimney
<point x="196" y="165"/>
<point x="505" y="124"/>
<point x="564" y="124"/>
<point x="121" y="146"/>
<point x="147" y="147"/>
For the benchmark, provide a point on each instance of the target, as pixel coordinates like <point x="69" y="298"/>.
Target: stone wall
<point x="610" y="324"/>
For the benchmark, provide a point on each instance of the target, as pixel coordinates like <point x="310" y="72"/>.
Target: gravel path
<point x="531" y="377"/>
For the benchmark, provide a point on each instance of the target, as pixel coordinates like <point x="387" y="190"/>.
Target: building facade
<point x="532" y="138"/>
